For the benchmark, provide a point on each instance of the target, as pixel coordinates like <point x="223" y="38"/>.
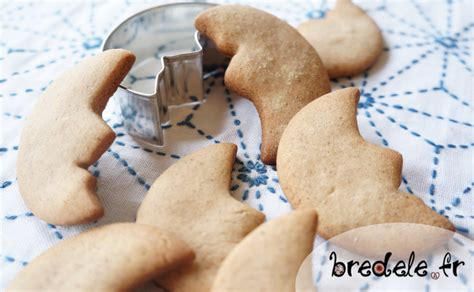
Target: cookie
<point x="272" y="65"/>
<point x="347" y="39"/>
<point x="64" y="135"/>
<point x="269" y="258"/>
<point x="192" y="200"/>
<point x="324" y="163"/>
<point x="114" y="257"/>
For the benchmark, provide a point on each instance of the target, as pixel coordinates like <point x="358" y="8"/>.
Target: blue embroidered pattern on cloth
<point x="417" y="100"/>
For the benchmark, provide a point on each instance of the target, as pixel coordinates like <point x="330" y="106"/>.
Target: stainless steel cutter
<point x="172" y="62"/>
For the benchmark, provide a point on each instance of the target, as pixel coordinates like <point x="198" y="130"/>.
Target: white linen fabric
<point x="417" y="99"/>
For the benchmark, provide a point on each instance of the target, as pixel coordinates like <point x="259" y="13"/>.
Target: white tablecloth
<point x="417" y="100"/>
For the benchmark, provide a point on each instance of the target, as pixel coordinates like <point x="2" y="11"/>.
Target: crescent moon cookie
<point x="324" y="163"/>
<point x="115" y="257"/>
<point x="269" y="258"/>
<point x="64" y="135"/>
<point x="191" y="199"/>
<point x="347" y="39"/>
<point x="272" y="65"/>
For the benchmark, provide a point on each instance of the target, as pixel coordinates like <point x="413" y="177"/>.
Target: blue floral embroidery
<point x="253" y="173"/>
<point x="367" y="101"/>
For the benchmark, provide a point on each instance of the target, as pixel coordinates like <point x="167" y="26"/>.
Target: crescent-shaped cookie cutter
<point x="173" y="60"/>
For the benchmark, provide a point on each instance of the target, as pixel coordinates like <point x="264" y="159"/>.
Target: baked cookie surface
<point x="201" y="211"/>
<point x="272" y="65"/>
<point x="64" y="135"/>
<point x="269" y="258"/>
<point x="324" y="163"/>
<point x="347" y="39"/>
<point x="115" y="257"/>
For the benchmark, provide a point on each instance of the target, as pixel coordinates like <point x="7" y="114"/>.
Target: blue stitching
<point x="129" y="168"/>
<point x="425" y="17"/>
<point x="10" y="259"/>
<point x="56" y="233"/>
<point x="6" y="184"/>
<point x="405" y="68"/>
<point x="14" y="217"/>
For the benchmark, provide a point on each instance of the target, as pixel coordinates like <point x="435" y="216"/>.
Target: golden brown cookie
<point x="324" y="163"/>
<point x="347" y="39"/>
<point x="272" y="65"/>
<point x="192" y="200"/>
<point x="269" y="258"/>
<point x="64" y="135"/>
<point x="114" y="257"/>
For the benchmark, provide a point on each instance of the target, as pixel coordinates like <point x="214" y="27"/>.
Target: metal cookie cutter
<point x="172" y="62"/>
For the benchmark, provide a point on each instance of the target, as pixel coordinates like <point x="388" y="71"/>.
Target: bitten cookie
<point x="272" y="65"/>
<point x="347" y="40"/>
<point x="192" y="200"/>
<point x="324" y="163"/>
<point x="114" y="257"/>
<point x="64" y="135"/>
<point x="269" y="258"/>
